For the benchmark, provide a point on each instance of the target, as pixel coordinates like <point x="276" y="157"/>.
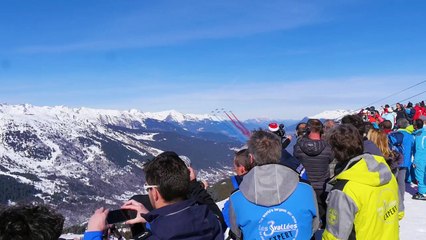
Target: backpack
<point x="395" y="142"/>
<point x="410" y="113"/>
<point x="395" y="160"/>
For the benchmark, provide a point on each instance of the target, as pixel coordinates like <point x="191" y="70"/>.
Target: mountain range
<point x="77" y="159"/>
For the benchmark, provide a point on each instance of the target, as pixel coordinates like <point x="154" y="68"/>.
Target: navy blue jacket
<point x="293" y="163"/>
<point x="182" y="220"/>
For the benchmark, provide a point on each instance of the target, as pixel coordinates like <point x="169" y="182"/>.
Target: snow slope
<point x="413" y="225"/>
<point x="332" y="114"/>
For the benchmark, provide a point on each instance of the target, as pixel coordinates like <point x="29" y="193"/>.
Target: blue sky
<point x="278" y="59"/>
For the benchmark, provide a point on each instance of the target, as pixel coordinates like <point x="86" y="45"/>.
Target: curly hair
<point x="346" y="142"/>
<point x="30" y="222"/>
<point x="356" y="121"/>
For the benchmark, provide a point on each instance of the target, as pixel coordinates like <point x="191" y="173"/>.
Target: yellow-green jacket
<point x="363" y="204"/>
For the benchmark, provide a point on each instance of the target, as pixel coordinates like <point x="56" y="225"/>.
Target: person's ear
<point x="251" y="159"/>
<point x="155" y="194"/>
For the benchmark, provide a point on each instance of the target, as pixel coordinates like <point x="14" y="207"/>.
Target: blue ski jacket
<point x="407" y="145"/>
<point x="420" y="147"/>
<point x="272" y="203"/>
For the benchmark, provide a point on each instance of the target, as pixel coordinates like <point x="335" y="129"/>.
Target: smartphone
<point x="120" y="215"/>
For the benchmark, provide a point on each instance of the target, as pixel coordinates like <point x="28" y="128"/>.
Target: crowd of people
<point x="345" y="179"/>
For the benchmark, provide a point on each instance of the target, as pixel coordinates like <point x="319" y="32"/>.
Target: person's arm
<point x="414" y="146"/>
<point x="234" y="228"/>
<point x="315" y="210"/>
<point x="198" y="193"/>
<point x="93" y="235"/>
<point x="96" y="225"/>
<point x="286" y="141"/>
<point x="296" y="153"/>
<point x="225" y="212"/>
<point x="341" y="211"/>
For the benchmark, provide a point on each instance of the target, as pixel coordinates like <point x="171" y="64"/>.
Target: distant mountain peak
<point x="173" y="115"/>
<point x="332" y="114"/>
<point x="84" y="157"/>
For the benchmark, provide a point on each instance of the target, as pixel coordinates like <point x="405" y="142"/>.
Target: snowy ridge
<point x="82" y="156"/>
<point x="173" y="115"/>
<point x="332" y="114"/>
<point x="25" y="111"/>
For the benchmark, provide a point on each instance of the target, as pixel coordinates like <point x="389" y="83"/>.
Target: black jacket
<point x="315" y="156"/>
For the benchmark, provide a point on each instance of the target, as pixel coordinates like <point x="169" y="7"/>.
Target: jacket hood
<point x="368" y="170"/>
<point x="312" y="147"/>
<point x="269" y="185"/>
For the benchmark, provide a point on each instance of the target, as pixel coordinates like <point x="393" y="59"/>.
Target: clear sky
<point x="278" y="59"/>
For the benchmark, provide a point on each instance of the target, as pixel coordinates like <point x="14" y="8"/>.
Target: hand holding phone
<point x="97" y="220"/>
<point x="120" y="215"/>
<point x="139" y="208"/>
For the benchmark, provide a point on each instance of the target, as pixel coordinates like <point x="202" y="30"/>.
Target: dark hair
<point x="402" y="123"/>
<point x="24" y="222"/>
<point x="328" y="124"/>
<point x="242" y="159"/>
<point x="265" y="147"/>
<point x="346" y="142"/>
<point x="386" y="124"/>
<point x="314" y="125"/>
<point x="356" y="121"/>
<point x="300" y="128"/>
<point x="418" y="124"/>
<point x="170" y="173"/>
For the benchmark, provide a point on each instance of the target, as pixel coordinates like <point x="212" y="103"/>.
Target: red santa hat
<point x="273" y="127"/>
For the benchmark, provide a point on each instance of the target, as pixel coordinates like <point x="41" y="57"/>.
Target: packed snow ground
<point x="413" y="225"/>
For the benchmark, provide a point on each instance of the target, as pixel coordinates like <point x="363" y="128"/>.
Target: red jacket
<point x="419" y="112"/>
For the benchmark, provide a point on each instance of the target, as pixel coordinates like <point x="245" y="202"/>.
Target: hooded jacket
<point x="315" y="155"/>
<point x="419" y="158"/>
<point x="420" y="147"/>
<point x="363" y="203"/>
<point x="418" y="112"/>
<point x="408" y="146"/>
<point x="271" y="203"/>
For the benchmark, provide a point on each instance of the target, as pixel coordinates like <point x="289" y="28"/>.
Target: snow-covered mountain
<point x="173" y="115"/>
<point x="333" y="114"/>
<point x="80" y="158"/>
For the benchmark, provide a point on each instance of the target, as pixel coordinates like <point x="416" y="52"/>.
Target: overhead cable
<point x="393" y="94"/>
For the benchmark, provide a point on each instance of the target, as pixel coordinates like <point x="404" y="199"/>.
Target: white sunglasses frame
<point x="147" y="187"/>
